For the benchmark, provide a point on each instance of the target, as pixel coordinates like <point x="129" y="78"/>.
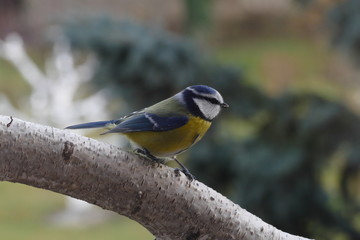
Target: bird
<point x="169" y="127"/>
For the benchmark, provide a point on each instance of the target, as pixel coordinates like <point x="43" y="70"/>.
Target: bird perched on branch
<point x="169" y="127"/>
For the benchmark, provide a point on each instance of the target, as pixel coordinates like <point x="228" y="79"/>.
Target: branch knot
<point x="68" y="151"/>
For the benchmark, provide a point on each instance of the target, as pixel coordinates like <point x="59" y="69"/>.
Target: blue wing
<point x="143" y="121"/>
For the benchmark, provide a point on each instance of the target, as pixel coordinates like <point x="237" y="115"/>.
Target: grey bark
<point x="167" y="204"/>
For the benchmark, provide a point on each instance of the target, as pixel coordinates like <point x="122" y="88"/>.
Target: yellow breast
<point x="170" y="143"/>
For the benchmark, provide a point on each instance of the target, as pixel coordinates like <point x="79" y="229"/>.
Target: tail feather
<point x="99" y="124"/>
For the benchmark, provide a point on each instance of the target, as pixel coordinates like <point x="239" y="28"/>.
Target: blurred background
<point x="286" y="150"/>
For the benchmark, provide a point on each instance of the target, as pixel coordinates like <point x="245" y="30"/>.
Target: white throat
<point x="208" y="109"/>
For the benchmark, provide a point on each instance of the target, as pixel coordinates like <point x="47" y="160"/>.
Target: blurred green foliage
<point x="344" y="20"/>
<point x="145" y="65"/>
<point x="276" y="172"/>
<point x="198" y="14"/>
<point x="13" y="80"/>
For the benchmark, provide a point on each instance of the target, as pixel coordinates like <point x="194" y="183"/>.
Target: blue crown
<point x="203" y="89"/>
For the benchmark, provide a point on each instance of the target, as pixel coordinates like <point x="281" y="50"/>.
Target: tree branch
<point x="168" y="205"/>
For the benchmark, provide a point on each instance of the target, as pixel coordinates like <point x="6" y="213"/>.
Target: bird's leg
<point x="146" y="153"/>
<point x="183" y="169"/>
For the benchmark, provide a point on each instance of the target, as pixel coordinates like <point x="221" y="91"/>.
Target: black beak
<point x="224" y="105"/>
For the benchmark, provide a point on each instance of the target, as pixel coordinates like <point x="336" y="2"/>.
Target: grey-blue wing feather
<point x="142" y="121"/>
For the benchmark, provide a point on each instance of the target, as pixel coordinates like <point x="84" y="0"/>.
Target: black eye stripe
<point x="212" y="100"/>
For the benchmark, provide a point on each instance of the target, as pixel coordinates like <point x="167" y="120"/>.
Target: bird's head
<point x="203" y="101"/>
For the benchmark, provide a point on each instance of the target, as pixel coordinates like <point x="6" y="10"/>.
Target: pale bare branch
<point x="167" y="204"/>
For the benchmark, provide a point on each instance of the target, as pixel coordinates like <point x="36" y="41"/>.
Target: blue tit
<point x="169" y="127"/>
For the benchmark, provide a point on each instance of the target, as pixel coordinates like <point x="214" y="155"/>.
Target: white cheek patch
<point x="209" y="110"/>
